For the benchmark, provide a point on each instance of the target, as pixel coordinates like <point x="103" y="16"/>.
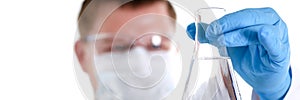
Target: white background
<point x="37" y="39"/>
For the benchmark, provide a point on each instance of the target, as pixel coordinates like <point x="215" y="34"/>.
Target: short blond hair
<point x="135" y="4"/>
<point x="85" y="23"/>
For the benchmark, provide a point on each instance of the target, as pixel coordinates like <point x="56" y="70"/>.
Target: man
<point x="259" y="56"/>
<point x="130" y="37"/>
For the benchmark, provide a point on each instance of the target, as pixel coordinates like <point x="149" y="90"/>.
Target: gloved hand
<point x="258" y="45"/>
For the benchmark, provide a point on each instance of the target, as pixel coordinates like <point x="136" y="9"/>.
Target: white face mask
<point x="138" y="74"/>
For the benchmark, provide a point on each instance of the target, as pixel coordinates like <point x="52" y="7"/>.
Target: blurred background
<point x="37" y="39"/>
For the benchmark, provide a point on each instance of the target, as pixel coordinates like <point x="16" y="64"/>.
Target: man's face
<point x="130" y="23"/>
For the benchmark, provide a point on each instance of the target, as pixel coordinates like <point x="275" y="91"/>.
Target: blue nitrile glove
<point x="258" y="45"/>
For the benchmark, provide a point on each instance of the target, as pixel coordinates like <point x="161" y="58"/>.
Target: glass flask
<point x="211" y="75"/>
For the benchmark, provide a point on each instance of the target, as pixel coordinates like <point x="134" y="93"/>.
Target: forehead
<point x="122" y="15"/>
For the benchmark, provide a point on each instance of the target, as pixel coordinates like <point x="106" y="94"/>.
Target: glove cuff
<point x="281" y="91"/>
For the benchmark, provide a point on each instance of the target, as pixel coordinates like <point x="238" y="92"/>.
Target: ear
<point x="81" y="53"/>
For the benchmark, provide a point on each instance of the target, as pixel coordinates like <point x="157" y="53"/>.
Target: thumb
<point x="191" y="30"/>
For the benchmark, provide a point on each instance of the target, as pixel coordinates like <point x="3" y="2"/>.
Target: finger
<point x="275" y="40"/>
<point x="241" y="37"/>
<point x="245" y="18"/>
<point x="191" y="30"/>
<point x="267" y="35"/>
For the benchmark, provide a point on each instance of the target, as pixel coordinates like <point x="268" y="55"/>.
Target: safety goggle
<point x="108" y="42"/>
